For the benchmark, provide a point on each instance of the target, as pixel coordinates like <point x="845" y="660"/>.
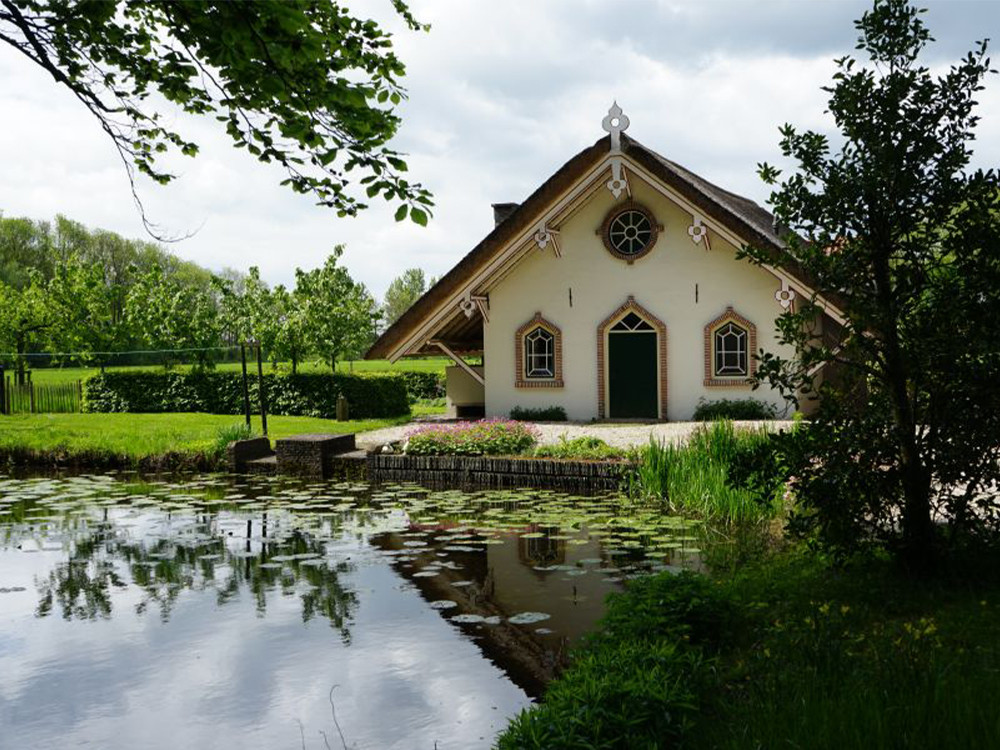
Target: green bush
<point x="487" y="437"/>
<point x="311" y="394"/>
<point x="587" y="448"/>
<point x="423" y="385"/>
<point x="734" y="408"/>
<point x="638" y="681"/>
<point x="543" y="414"/>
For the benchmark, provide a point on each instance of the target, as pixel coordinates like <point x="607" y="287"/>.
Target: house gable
<point x="536" y="224"/>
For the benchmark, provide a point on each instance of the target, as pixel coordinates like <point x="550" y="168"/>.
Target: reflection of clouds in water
<point x="241" y="613"/>
<point x="211" y="675"/>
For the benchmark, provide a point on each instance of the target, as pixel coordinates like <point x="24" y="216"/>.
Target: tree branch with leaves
<point x="299" y="83"/>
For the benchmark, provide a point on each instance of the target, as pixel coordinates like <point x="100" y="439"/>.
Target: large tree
<point x="893" y="226"/>
<point x="300" y="83"/>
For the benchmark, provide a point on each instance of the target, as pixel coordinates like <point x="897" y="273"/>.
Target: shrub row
<point x="309" y="395"/>
<point x="423" y="385"/>
<point x="734" y="408"/>
<point x="539" y="414"/>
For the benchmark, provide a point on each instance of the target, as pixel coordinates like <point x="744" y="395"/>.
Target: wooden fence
<point x="31" y="398"/>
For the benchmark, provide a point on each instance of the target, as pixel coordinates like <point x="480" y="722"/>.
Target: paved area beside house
<point x="617" y="434"/>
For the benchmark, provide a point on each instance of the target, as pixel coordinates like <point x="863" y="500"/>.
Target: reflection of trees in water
<point x="163" y="567"/>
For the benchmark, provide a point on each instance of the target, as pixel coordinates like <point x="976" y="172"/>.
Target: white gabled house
<point x="612" y="291"/>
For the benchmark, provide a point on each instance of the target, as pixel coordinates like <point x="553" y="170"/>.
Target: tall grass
<point x="230" y="433"/>
<point x="714" y="475"/>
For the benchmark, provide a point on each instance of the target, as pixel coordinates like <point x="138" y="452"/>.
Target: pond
<point x="219" y="612"/>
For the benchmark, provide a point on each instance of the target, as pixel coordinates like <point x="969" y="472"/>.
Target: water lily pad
<point x="468" y="618"/>
<point x="528" y="618"/>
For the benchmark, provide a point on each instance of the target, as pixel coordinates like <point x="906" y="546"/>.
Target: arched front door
<point x="632" y="391"/>
<point x="632" y="364"/>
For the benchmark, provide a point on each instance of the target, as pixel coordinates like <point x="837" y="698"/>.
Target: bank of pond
<point x="207" y="610"/>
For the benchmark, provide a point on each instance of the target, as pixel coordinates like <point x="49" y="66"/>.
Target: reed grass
<point x="707" y="476"/>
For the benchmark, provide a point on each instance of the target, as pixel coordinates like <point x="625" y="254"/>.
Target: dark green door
<point x="632" y="374"/>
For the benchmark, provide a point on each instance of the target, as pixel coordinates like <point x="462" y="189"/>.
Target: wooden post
<point x="263" y="393"/>
<point x="3" y="391"/>
<point x="246" y="386"/>
<point x="31" y="395"/>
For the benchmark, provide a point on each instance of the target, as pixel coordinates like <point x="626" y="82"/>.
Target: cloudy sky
<point x="501" y="95"/>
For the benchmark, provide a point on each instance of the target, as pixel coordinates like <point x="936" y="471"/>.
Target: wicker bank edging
<point x="497" y="473"/>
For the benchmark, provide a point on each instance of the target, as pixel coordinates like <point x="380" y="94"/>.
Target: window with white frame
<point x="539" y="354"/>
<point x="731" y="351"/>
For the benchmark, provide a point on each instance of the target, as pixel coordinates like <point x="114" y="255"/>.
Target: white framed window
<point x="731" y="351"/>
<point x="539" y="354"/>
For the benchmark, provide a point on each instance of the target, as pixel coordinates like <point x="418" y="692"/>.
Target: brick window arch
<point x="538" y="354"/>
<point x="730" y="343"/>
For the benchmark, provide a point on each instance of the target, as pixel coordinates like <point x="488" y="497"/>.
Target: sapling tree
<point x="403" y="291"/>
<point x="25" y="319"/>
<point x="338" y="313"/>
<point x="897" y="231"/>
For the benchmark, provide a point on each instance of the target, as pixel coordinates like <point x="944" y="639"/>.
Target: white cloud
<point x="501" y="95"/>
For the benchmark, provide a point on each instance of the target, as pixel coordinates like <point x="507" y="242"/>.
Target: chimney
<point x="502" y="210"/>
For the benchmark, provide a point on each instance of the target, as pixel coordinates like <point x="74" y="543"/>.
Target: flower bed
<point x="487" y="437"/>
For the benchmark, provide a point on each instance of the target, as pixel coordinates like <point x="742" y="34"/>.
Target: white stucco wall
<point x="462" y="389"/>
<point x="663" y="282"/>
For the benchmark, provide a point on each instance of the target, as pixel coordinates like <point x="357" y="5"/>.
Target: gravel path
<point x="619" y="435"/>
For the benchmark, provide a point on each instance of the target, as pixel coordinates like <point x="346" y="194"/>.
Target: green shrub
<point x="734" y="408"/>
<point x="487" y="437"/>
<point x="543" y="414"/>
<point x="638" y="681"/>
<point x="588" y="448"/>
<point x="305" y="394"/>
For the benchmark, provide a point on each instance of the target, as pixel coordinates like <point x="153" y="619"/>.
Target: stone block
<point x="311" y="455"/>
<point x="240" y="452"/>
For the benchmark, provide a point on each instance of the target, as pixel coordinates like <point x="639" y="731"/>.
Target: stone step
<point x="263" y="465"/>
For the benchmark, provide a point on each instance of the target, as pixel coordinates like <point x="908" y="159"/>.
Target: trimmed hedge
<point x="423" y="385"/>
<point x="539" y="414"/>
<point x="307" y="395"/>
<point x="734" y="408"/>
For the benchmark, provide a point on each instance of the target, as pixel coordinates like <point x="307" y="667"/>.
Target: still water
<point x="213" y="612"/>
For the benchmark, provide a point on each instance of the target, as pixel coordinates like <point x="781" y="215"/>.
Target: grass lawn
<point x="139" y="436"/>
<point x="53" y="375"/>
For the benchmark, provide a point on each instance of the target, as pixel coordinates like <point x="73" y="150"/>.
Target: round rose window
<point x="629" y="232"/>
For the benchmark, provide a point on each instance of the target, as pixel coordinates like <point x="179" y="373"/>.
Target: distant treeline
<point x="67" y="288"/>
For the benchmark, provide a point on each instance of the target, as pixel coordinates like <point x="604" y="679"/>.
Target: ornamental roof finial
<point x="615" y="122"/>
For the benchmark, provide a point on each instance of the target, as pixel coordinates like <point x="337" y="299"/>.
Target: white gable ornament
<point x="785" y="295"/>
<point x="467" y="305"/>
<point x="698" y="232"/>
<point x="544" y="236"/>
<point x="616" y="122"/>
